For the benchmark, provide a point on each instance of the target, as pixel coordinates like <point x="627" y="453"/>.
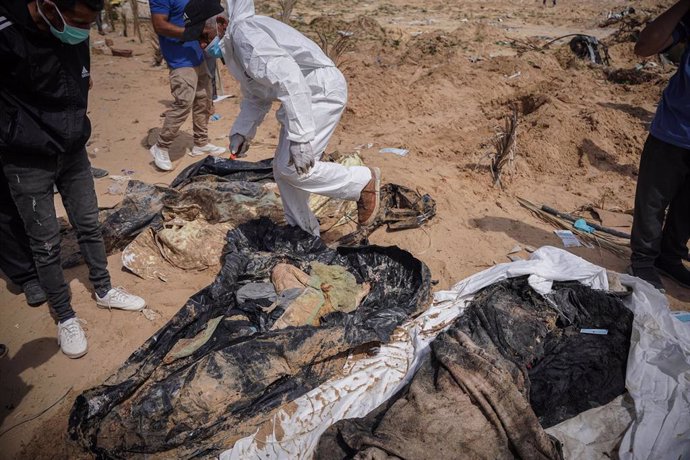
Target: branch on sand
<point x="337" y="48"/>
<point x="286" y="7"/>
<point x="505" y="145"/>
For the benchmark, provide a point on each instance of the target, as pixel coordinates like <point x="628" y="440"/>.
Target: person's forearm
<point x="163" y="27"/>
<point x="658" y="34"/>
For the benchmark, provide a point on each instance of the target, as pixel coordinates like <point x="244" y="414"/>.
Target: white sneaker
<point x="208" y="149"/>
<point x="161" y="158"/>
<point x="120" y="299"/>
<point x="71" y="338"/>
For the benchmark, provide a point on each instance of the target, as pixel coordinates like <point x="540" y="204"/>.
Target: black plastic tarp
<point x="211" y="184"/>
<point x="198" y="405"/>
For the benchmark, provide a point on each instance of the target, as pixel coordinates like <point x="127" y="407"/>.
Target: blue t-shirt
<point x="176" y="52"/>
<point x="671" y="123"/>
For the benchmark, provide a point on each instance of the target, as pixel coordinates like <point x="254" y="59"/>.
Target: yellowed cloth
<point x="329" y="288"/>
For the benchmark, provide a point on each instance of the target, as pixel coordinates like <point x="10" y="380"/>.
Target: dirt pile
<point x="443" y="94"/>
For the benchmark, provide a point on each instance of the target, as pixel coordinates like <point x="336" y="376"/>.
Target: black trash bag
<point x="142" y="204"/>
<point x="513" y="364"/>
<point x="590" y="48"/>
<point x="233" y="170"/>
<point x="225" y="384"/>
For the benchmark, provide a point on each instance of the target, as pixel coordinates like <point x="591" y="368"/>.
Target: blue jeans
<point x="30" y="178"/>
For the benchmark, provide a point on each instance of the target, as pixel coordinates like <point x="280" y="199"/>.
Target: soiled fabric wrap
<point x="513" y="364"/>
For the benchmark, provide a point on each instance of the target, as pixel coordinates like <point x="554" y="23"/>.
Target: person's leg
<point x="30" y="179"/>
<point x="211" y="64"/>
<point x="16" y="260"/>
<point x="99" y="23"/>
<point x="674" y="242"/>
<point x="201" y="109"/>
<point x="325" y="178"/>
<point x="295" y="200"/>
<point x="659" y="181"/>
<point x="677" y="226"/>
<point x="183" y="83"/>
<point x="75" y="184"/>
<point x="201" y="112"/>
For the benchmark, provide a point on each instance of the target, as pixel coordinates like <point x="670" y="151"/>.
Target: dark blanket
<point x="512" y="365"/>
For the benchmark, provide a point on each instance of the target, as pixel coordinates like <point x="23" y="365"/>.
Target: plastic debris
<point x="594" y="331"/>
<point x="394" y="151"/>
<point x="215" y="117"/>
<point x="150" y="314"/>
<point x="682" y="316"/>
<point x="515" y="249"/>
<point x="222" y="98"/>
<point x="568" y="238"/>
<point x="588" y="47"/>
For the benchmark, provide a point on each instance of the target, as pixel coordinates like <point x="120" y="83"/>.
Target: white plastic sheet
<point x="658" y="374"/>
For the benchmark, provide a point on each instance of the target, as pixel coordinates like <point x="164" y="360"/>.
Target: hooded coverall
<point x="272" y="61"/>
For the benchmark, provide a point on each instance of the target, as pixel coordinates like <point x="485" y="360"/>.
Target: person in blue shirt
<point x="190" y="83"/>
<point x="663" y="188"/>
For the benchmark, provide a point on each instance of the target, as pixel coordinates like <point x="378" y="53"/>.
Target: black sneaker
<point x="97" y="173"/>
<point x="34" y="293"/>
<point x="676" y="271"/>
<point x="650" y="275"/>
<point x="3" y="350"/>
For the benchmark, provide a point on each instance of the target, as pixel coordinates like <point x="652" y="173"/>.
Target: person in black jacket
<point x="44" y="84"/>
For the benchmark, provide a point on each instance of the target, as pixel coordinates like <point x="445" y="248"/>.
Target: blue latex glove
<point x="581" y="224"/>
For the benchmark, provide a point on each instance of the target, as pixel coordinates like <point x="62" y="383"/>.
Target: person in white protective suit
<point x="272" y="61"/>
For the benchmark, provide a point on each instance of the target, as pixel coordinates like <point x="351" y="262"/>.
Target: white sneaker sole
<point x="214" y="153"/>
<point x="110" y="307"/>
<point x="73" y="355"/>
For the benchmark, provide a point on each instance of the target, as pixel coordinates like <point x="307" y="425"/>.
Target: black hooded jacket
<point x="44" y="86"/>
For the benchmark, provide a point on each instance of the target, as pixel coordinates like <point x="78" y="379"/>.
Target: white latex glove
<point x="238" y="145"/>
<point x="302" y="156"/>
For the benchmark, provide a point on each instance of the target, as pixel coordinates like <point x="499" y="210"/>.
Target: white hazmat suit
<point x="272" y="61"/>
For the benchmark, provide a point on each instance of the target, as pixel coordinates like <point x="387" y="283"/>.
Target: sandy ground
<point x="432" y="76"/>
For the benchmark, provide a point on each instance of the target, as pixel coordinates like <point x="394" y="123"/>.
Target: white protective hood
<point x="270" y="60"/>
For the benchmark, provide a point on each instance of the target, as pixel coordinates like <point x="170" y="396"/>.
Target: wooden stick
<point x="572" y="218"/>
